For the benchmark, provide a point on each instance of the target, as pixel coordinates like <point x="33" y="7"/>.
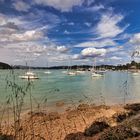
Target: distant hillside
<point x="53" y="67"/>
<point x="5" y="66"/>
<point x="133" y="64"/>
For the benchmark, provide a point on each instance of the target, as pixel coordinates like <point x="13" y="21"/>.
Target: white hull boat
<point x="136" y="73"/>
<point x="64" y="72"/>
<point x="29" y="75"/>
<point x="96" y="74"/>
<point x="80" y="72"/>
<point x="47" y="72"/>
<point x="71" y="73"/>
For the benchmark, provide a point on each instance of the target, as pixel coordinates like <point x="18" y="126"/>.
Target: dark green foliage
<point x="133" y="107"/>
<point x="95" y="128"/>
<point x="5" y="66"/>
<point x="5" y="137"/>
<point x="118" y="133"/>
<point x="120" y="117"/>
<point x="75" y="136"/>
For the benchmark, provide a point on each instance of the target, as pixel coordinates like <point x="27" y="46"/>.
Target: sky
<point x="69" y="32"/>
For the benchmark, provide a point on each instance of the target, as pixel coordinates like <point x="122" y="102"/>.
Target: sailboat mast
<point x="94" y="65"/>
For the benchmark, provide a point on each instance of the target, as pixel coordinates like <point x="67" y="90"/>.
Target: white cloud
<point x="21" y="6"/>
<point x="87" y="24"/>
<point x="115" y="49"/>
<point x="101" y="43"/>
<point x="108" y="26"/>
<point x="35" y="49"/>
<point x="11" y="36"/>
<point x="98" y="7"/>
<point x="62" y="49"/>
<point x="95" y="8"/>
<point x="66" y="32"/>
<point x="2" y="19"/>
<point x="27" y="51"/>
<point x="11" y="30"/>
<point x="27" y="36"/>
<point x="123" y="36"/>
<point x="71" y="23"/>
<point x="89" y="2"/>
<point x="37" y="54"/>
<point x="76" y="57"/>
<point x="93" y="52"/>
<point x="116" y="58"/>
<point x="135" y="39"/>
<point x="62" y="5"/>
<point x="26" y="47"/>
<point x="30" y="51"/>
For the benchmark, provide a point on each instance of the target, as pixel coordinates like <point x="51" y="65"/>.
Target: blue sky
<point x="57" y="31"/>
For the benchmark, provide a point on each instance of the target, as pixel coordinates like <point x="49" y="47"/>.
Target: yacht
<point x="96" y="74"/>
<point x="47" y="72"/>
<point x="80" y="72"/>
<point x="71" y="73"/>
<point x="135" y="73"/>
<point x="29" y="75"/>
<point x="102" y="71"/>
<point x="64" y="72"/>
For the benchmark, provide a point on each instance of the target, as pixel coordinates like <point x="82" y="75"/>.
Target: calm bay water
<point x="57" y="86"/>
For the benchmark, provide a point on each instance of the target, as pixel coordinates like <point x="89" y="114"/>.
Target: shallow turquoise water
<point x="58" y="86"/>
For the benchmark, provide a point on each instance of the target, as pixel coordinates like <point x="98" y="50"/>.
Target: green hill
<point x="5" y="66"/>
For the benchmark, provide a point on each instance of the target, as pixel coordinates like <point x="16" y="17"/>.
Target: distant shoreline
<point x="132" y="65"/>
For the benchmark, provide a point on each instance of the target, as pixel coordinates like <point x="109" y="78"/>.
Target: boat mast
<point x="94" y="65"/>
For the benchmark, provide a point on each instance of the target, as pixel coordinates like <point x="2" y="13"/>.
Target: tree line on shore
<point x="132" y="65"/>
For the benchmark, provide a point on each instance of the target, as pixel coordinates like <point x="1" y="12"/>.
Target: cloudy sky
<point x="62" y="32"/>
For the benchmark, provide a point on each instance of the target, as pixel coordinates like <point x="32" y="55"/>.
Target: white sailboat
<point x="65" y="72"/>
<point x="29" y="75"/>
<point x="47" y="72"/>
<point x="80" y="72"/>
<point x="134" y="70"/>
<point x="95" y="73"/>
<point x="102" y="71"/>
<point x="71" y="72"/>
<point x="136" y="73"/>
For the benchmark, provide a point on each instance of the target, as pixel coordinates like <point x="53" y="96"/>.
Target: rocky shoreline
<point x="85" y="122"/>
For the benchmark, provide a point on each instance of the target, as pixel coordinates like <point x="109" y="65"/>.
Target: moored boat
<point x="47" y="72"/>
<point x="71" y="73"/>
<point x="29" y="75"/>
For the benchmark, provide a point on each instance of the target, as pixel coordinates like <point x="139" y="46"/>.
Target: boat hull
<point x="28" y="77"/>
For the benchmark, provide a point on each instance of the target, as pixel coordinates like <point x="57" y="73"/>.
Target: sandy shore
<point x="86" y="122"/>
